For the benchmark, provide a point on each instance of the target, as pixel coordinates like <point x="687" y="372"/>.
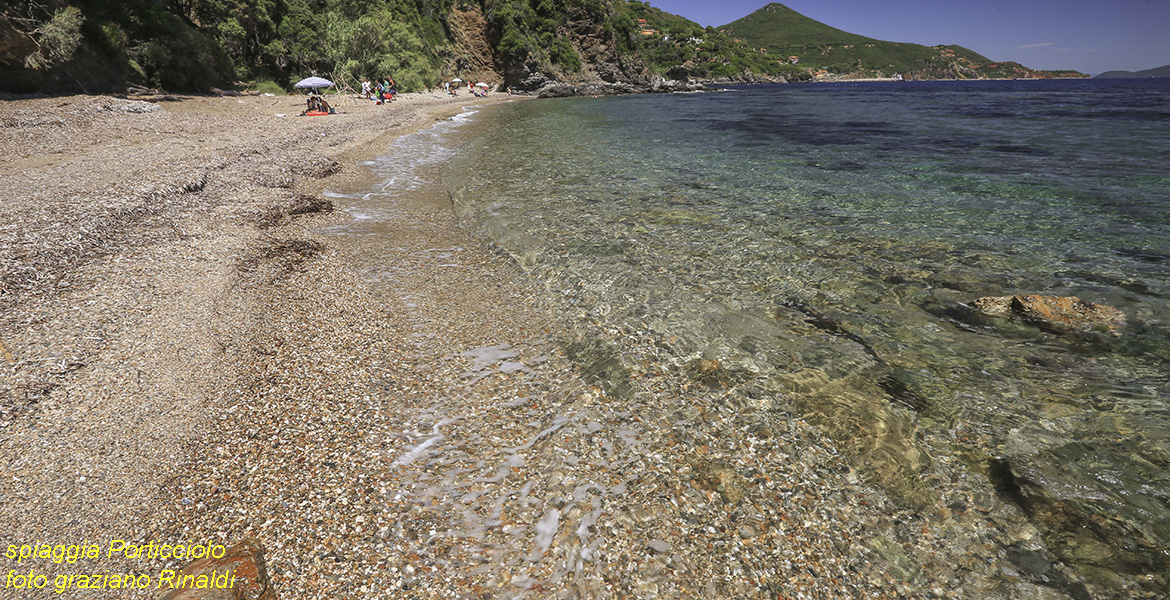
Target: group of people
<point x="479" y="91"/>
<point x="317" y="104"/>
<point x="384" y="90"/>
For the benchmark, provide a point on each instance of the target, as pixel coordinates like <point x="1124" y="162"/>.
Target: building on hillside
<point x="794" y="60"/>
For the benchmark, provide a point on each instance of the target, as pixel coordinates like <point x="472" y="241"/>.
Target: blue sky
<point x="1087" y="35"/>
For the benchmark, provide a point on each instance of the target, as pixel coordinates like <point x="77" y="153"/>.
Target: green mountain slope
<point x="778" y="26"/>
<point x="827" y="51"/>
<point x="192" y="45"/>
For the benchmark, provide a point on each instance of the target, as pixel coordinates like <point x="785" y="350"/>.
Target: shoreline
<point x="412" y="416"/>
<point x="135" y="259"/>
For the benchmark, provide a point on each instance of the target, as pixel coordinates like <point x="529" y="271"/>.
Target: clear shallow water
<point x="825" y="242"/>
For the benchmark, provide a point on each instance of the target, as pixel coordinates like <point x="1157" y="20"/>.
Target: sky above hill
<point x="1091" y="36"/>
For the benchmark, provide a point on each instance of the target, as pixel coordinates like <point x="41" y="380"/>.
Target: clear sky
<point x="1091" y="36"/>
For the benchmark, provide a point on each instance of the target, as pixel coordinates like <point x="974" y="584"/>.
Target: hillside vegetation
<point x="825" y="50"/>
<point x="194" y="45"/>
<point x="100" y="45"/>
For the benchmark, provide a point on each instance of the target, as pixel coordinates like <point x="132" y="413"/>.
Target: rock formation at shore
<point x="1059" y="314"/>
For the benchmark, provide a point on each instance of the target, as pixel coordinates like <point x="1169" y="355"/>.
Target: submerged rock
<point x="863" y="419"/>
<point x="1060" y="314"/>
<point x="1096" y="486"/>
<point x="718" y="476"/>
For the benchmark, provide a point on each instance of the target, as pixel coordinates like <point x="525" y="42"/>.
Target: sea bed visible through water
<point x="783" y="255"/>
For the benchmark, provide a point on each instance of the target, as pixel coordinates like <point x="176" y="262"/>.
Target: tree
<point x="56" y="37"/>
<point x="379" y="45"/>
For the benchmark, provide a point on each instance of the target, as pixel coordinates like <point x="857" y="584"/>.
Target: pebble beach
<point x="186" y="356"/>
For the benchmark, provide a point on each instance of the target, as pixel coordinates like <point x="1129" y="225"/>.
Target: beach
<point x="150" y="264"/>
<point x="200" y="346"/>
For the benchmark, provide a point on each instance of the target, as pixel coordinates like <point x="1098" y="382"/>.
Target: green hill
<point x="193" y="45"/>
<point x="777" y="26"/>
<point x="793" y="37"/>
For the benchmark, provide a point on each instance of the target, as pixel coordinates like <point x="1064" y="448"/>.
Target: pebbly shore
<point x="187" y="358"/>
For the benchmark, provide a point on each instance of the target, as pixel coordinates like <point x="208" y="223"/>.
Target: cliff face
<point x="603" y="68"/>
<point x="596" y="63"/>
<point x="472" y="52"/>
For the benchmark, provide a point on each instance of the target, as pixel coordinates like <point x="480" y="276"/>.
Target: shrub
<point x="57" y="39"/>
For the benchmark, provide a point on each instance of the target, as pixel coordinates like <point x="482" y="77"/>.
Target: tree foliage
<point x="377" y="45"/>
<point x="57" y="39"/>
<point x="195" y="44"/>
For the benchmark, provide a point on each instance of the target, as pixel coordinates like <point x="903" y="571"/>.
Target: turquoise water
<point x="823" y="244"/>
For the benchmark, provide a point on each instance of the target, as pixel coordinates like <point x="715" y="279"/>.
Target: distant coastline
<point x="1157" y="72"/>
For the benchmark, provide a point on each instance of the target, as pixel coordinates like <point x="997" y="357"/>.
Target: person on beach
<point x="316" y="103"/>
<point x="366" y="87"/>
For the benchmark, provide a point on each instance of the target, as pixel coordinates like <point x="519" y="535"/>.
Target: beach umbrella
<point x="456" y="80"/>
<point x="313" y="82"/>
<point x="481" y="84"/>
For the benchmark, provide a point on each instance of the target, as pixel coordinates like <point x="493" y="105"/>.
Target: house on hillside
<point x="793" y="60"/>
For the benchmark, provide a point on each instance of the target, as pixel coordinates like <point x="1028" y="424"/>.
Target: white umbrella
<point x="456" y="80"/>
<point x="313" y="82"/>
<point x="481" y="84"/>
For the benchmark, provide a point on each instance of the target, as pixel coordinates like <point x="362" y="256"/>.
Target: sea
<point x="823" y="246"/>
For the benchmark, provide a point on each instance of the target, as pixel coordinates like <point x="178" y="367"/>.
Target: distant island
<point x="1155" y="72"/>
<point x="829" y="52"/>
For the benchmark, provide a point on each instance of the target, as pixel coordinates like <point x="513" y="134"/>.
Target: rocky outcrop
<point x="473" y="52"/>
<point x="1059" y="314"/>
<point x="564" y="90"/>
<point x="246" y="576"/>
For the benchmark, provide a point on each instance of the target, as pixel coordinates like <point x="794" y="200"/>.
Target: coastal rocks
<point x="248" y="576"/>
<point x="676" y="85"/>
<point x="528" y="77"/>
<point x="680" y="72"/>
<point x="555" y="89"/>
<point x="1095" y="486"/>
<point x="1058" y="314"/>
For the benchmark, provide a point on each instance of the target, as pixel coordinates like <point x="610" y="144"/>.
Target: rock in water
<point x="248" y="578"/>
<point x="1060" y="314"/>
